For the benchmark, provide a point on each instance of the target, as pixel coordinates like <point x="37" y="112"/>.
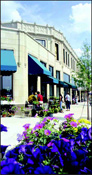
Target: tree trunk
<point x="87" y="105"/>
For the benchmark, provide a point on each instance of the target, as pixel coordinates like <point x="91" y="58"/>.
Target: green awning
<point x="35" y="67"/>
<point x="71" y="85"/>
<point x="8" y="62"/>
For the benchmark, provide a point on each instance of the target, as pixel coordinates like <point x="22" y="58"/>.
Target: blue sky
<point x="73" y="18"/>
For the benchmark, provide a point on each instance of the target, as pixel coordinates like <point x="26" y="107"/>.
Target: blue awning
<point x="50" y="80"/>
<point x="35" y="67"/>
<point x="62" y="84"/>
<point x="8" y="62"/>
<point x="71" y="85"/>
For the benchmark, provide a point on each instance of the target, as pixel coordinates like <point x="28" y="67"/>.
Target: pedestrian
<point x="76" y="100"/>
<point x="68" y="101"/>
<point x="60" y="101"/>
<point x="40" y="98"/>
<point x="36" y="94"/>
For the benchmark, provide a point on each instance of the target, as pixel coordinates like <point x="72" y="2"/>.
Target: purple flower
<point x="90" y="133"/>
<point x="19" y="137"/>
<point x="50" y="144"/>
<point x="26" y="126"/>
<point x="11" y="167"/>
<point x="25" y="135"/>
<point x="44" y="170"/>
<point x="73" y="124"/>
<point x="66" y="140"/>
<point x="30" y="143"/>
<point x="39" y="126"/>
<point x="3" y="128"/>
<point x="47" y="132"/>
<point x="22" y="149"/>
<point x="69" y="116"/>
<point x="36" y="115"/>
<point x="45" y="110"/>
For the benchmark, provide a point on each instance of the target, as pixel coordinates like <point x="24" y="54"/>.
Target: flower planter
<point x="3" y="115"/>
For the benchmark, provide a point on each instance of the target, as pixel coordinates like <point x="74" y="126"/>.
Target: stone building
<point x="36" y="58"/>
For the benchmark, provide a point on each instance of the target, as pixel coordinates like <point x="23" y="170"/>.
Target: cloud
<point x="9" y="11"/>
<point x="81" y="17"/>
<point x="79" y="52"/>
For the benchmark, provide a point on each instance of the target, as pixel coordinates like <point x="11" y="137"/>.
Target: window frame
<point x="57" y="51"/>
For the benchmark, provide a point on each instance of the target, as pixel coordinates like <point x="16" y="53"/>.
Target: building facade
<point x="44" y="61"/>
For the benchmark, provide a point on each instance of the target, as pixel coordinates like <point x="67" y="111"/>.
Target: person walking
<point x="76" y="100"/>
<point x="60" y="101"/>
<point x="68" y="101"/>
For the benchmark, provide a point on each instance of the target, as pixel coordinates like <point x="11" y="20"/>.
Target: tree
<point x="83" y="75"/>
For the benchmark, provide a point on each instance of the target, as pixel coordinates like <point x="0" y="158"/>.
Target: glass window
<point x="58" y="91"/>
<point x="43" y="63"/>
<point x="42" y="42"/>
<point x="64" y="55"/>
<point x="51" y="70"/>
<point x="6" y="87"/>
<point x="66" y="58"/>
<point x="71" y="62"/>
<point x="58" y="75"/>
<point x="51" y="90"/>
<point x="56" y="51"/>
<point x="66" y="77"/>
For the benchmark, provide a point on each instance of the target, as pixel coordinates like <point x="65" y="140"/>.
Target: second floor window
<point x="58" y="75"/>
<point x="64" y="55"/>
<point x="66" y="77"/>
<point x="68" y="59"/>
<point x="51" y="70"/>
<point x="42" y="42"/>
<point x="56" y="51"/>
<point x="43" y="63"/>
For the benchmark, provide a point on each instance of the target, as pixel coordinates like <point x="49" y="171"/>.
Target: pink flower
<point x="30" y="143"/>
<point x="47" y="132"/>
<point x="69" y="116"/>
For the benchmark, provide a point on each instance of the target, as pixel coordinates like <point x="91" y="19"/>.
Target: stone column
<point x="71" y="94"/>
<point x="55" y="90"/>
<point x="48" y="91"/>
<point x="80" y="95"/>
<point x="39" y="84"/>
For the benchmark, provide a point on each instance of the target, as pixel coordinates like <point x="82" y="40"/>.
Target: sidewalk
<point x="15" y="124"/>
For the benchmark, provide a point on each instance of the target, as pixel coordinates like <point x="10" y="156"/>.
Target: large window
<point x="71" y="63"/>
<point x="58" y="75"/>
<point x="56" y="51"/>
<point x="66" y="77"/>
<point x="64" y="55"/>
<point x="51" y="70"/>
<point x="42" y="42"/>
<point x="43" y="63"/>
<point x="6" y="85"/>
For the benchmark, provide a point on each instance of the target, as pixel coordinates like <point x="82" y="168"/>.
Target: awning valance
<point x="51" y="80"/>
<point x="62" y="84"/>
<point x="35" y="67"/>
<point x="71" y="85"/>
<point x="8" y="62"/>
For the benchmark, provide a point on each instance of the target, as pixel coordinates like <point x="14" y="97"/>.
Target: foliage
<point x="35" y="102"/>
<point x="83" y="76"/>
<point x="51" y="148"/>
<point x="6" y="98"/>
<point x="4" y="113"/>
<point x="14" y="108"/>
<point x="32" y="98"/>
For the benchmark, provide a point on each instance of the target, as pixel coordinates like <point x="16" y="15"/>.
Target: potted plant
<point x="13" y="109"/>
<point x="4" y="113"/>
<point x="50" y="112"/>
<point x="32" y="98"/>
<point x="55" y="110"/>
